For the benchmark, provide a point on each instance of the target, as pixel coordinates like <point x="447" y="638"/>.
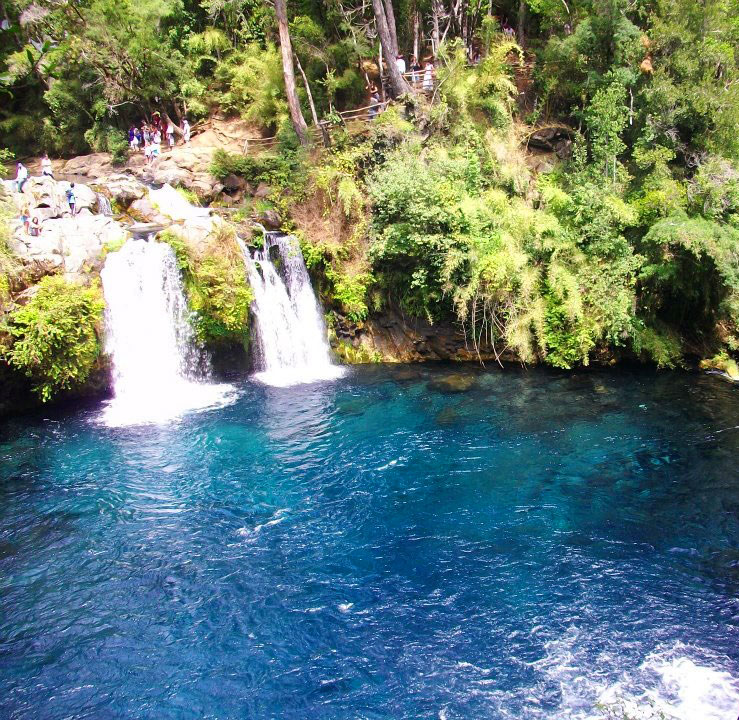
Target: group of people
<point x="32" y="221"/>
<point x="420" y="76"/>
<point x="148" y="137"/>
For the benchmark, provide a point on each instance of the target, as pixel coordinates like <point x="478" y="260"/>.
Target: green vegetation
<point x="54" y="338"/>
<point x="215" y="286"/>
<point x="9" y="264"/>
<point x="620" y="240"/>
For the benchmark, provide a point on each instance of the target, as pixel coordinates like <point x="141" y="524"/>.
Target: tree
<point x="397" y="82"/>
<point x="288" y="71"/>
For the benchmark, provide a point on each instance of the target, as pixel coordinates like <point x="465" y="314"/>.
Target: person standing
<point x="374" y="106"/>
<point x="46" y="169"/>
<point x="21" y="176"/>
<point x="170" y="134"/>
<point x="428" y="77"/>
<point x="400" y="64"/>
<point x="416" y="71"/>
<point x="71" y="199"/>
<point x="186" y="131"/>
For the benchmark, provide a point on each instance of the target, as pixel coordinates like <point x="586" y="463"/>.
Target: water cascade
<point x="159" y="372"/>
<point x="103" y="205"/>
<point x="291" y="345"/>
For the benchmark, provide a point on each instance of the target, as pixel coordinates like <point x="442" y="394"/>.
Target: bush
<point x="9" y="265"/>
<point x="54" y="338"/>
<point x="216" y="286"/>
<point x="105" y="138"/>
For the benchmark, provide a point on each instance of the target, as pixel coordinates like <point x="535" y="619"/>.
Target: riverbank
<point x="402" y="275"/>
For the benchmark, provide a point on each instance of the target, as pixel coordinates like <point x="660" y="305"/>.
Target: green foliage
<point x="356" y="356"/>
<point x="10" y="266"/>
<point x="105" y="138"/>
<point x="692" y="100"/>
<point x="216" y="286"/>
<point x="53" y="339"/>
<point x="252" y="85"/>
<point x="283" y="171"/>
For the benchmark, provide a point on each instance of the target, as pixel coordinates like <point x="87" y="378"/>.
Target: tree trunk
<point x="521" y="23"/>
<point x="398" y="84"/>
<point x="288" y="71"/>
<point x="435" y="36"/>
<point x="379" y="65"/>
<point x="416" y="34"/>
<point x="390" y="17"/>
<point x="307" y="91"/>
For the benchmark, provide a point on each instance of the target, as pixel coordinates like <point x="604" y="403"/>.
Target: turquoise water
<point x="401" y="543"/>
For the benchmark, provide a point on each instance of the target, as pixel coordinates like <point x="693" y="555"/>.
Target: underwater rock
<point x="447" y="416"/>
<point x="454" y="383"/>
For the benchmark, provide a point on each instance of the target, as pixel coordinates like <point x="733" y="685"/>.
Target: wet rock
<point x="269" y="218"/>
<point x="123" y="189"/>
<point x="142" y="210"/>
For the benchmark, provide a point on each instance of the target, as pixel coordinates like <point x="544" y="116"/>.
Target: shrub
<point x="215" y="285"/>
<point x="54" y="338"/>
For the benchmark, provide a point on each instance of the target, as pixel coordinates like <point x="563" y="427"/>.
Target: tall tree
<point x="398" y="84"/>
<point x="288" y="71"/>
<point x="390" y="17"/>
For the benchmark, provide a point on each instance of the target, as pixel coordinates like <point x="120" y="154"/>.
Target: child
<point x="71" y="199"/>
<point x="35" y="226"/>
<point x="147" y="152"/>
<point x="25" y="218"/>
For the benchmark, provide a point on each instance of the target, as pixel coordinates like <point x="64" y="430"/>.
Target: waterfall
<point x="291" y="345"/>
<point x="159" y="371"/>
<point x="103" y="204"/>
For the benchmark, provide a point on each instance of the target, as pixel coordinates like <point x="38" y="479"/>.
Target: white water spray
<point x="159" y="372"/>
<point x="291" y="344"/>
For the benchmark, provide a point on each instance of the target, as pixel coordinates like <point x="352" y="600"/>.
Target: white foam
<point x="678" y="682"/>
<point x="159" y="371"/>
<point x="672" y="685"/>
<point x="291" y="345"/>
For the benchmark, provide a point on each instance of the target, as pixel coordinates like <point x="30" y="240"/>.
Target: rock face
<point x="66" y="244"/>
<point x="393" y="338"/>
<point x="188" y="167"/>
<point x="72" y="245"/>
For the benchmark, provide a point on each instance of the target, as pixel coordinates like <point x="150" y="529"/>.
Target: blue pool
<point x="405" y="542"/>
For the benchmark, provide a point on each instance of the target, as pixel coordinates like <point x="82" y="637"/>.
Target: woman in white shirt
<point x="46" y="169"/>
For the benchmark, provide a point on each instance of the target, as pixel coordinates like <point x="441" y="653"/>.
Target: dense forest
<point x="568" y="191"/>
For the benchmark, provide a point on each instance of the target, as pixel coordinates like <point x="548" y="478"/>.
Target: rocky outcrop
<point x="91" y="166"/>
<point x="187" y="167"/>
<point x="67" y="244"/>
<point x="393" y="338"/>
<point x="72" y="245"/>
<point x="122" y="188"/>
